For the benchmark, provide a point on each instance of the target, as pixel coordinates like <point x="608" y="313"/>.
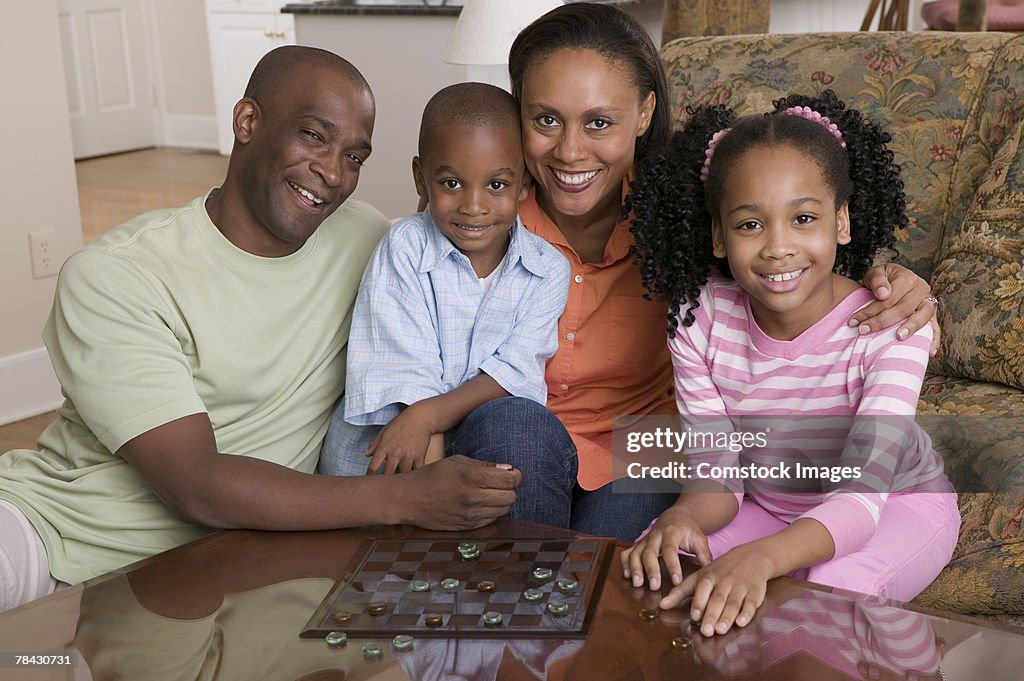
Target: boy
<point x="458" y="305"/>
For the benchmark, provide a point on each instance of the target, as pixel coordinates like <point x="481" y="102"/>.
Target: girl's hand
<point x="674" y="529"/>
<point x="726" y="592"/>
<point x="901" y="296"/>
<point x="401" y="445"/>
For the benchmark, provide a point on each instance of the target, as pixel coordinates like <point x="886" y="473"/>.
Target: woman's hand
<point x="728" y="591"/>
<point x="674" y="529"/>
<point x="900" y="295"/>
<point x="401" y="445"/>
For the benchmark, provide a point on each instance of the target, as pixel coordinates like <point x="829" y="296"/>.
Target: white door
<point x="107" y="78"/>
<point x="237" y="41"/>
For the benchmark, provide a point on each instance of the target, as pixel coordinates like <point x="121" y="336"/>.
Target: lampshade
<point x="486" y="28"/>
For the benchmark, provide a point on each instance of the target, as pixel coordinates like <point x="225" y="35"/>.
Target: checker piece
<point x="542" y="573"/>
<point x="336" y="639"/>
<point x="402" y="643"/>
<point x="533" y="595"/>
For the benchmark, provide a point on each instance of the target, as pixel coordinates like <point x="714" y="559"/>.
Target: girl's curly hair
<point x="672" y="207"/>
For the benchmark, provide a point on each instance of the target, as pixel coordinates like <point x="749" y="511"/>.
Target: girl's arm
<point x="884" y="442"/>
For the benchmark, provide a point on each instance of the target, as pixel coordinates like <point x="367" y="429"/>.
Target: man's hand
<point x="402" y="444"/>
<point x="459" y="493"/>
<point x="900" y="295"/>
<point x="180" y="462"/>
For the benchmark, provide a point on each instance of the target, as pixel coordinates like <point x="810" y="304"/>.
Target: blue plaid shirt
<point x="423" y="325"/>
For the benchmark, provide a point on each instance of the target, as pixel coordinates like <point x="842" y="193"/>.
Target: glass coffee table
<point x="231" y="607"/>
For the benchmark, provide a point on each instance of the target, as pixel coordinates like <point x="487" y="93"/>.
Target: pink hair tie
<point x="715" y="139"/>
<point x="824" y="121"/>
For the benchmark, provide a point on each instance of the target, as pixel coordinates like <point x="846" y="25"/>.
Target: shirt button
<point x="578" y="278"/>
<point x="570" y="336"/>
<point x="564" y="386"/>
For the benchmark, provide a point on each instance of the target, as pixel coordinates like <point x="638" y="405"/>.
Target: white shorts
<point x="24" y="566"/>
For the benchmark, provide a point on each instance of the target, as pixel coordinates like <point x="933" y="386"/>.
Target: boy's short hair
<point x="474" y="104"/>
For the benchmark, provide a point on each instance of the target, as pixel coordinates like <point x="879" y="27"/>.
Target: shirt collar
<point x="439" y="248"/>
<point x="620" y="242"/>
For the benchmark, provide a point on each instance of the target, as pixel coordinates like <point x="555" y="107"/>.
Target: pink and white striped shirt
<point x="841" y="632"/>
<point x="829" y="398"/>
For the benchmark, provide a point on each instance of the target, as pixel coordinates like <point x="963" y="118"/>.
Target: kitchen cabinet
<point x="240" y="33"/>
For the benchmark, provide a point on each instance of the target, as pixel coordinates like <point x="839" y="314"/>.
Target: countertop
<point x="353" y="7"/>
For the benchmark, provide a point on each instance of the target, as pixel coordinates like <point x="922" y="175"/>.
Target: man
<point x="202" y="349"/>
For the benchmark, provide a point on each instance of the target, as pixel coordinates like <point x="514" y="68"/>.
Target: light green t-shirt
<point x="161" y="318"/>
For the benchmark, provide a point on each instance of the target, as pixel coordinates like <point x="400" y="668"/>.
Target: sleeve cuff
<point x="847" y="519"/>
<point x="364" y="409"/>
<point x="514" y="381"/>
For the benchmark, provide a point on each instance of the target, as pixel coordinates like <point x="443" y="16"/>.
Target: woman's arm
<point x="900" y="295"/>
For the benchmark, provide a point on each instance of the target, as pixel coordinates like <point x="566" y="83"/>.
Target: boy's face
<point x="473" y="178"/>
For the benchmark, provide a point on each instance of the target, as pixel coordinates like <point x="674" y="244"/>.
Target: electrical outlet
<point x="44" y="262"/>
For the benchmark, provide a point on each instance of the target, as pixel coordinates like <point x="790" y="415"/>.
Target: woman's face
<point x="581" y="116"/>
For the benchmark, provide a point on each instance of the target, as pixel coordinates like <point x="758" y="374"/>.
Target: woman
<point x="595" y="107"/>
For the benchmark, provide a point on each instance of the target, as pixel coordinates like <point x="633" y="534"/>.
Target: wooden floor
<point x="112" y="189"/>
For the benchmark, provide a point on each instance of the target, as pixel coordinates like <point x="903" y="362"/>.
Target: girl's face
<point x="778" y="227"/>
<point x="581" y="117"/>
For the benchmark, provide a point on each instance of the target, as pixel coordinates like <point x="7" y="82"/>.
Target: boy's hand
<point x="401" y="445"/>
<point x="674" y="529"/>
<point x="726" y="592"/>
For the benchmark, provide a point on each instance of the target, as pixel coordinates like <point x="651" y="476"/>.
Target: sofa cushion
<point x="979" y="430"/>
<point x="923" y="89"/>
<point x="980" y="273"/>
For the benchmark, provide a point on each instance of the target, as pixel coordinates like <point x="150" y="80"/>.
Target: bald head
<point x="472" y="104"/>
<point x="281" y="64"/>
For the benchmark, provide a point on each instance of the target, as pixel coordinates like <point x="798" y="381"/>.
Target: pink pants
<point x="914" y="540"/>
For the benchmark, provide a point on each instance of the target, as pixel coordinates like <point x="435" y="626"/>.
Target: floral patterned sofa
<point x="955" y="105"/>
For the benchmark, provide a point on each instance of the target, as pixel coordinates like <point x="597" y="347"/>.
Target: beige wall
<point x="184" y="56"/>
<point x="37" y="191"/>
<point x="37" y="174"/>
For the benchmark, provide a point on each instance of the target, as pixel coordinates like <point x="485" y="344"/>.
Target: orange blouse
<point x="612" y="356"/>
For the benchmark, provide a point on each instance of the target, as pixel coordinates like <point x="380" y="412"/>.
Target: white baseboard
<point x="29" y="386"/>
<point x="193" y="132"/>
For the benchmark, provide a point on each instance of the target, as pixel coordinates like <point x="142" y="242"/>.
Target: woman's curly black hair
<point x="672" y="207"/>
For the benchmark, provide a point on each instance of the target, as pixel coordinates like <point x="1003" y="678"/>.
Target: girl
<point x="789" y="208"/>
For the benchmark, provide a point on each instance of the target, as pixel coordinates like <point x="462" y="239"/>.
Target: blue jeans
<point x="623" y="508"/>
<point x="525" y="434"/>
<point x="530" y="437"/>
